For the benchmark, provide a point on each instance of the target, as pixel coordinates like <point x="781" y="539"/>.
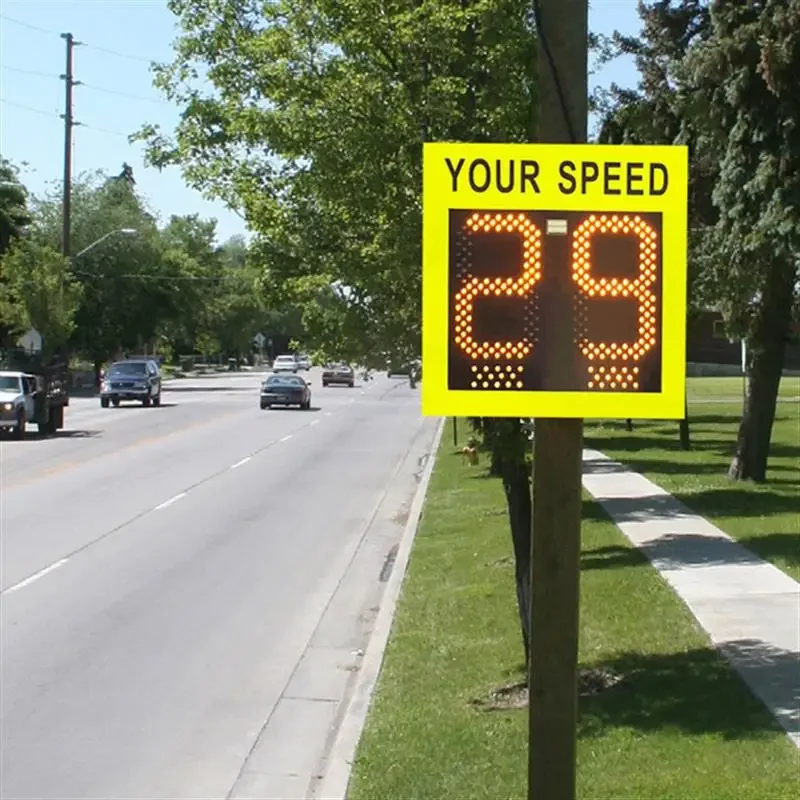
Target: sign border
<point x="437" y="200"/>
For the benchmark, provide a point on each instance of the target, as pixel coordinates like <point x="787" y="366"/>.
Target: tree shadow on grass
<point x="671" y="552"/>
<point x="694" y="692"/>
<point x="775" y="545"/>
<point x="723" y="502"/>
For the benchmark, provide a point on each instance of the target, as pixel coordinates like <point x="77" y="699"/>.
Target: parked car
<point x="304" y="362"/>
<point x="33" y="390"/>
<point x="338" y="373"/>
<point x="405" y="368"/>
<point x="285" y="390"/>
<point x="285" y="363"/>
<point x="131" y="380"/>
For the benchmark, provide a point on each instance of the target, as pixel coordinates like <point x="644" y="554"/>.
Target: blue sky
<point x="121" y="38"/>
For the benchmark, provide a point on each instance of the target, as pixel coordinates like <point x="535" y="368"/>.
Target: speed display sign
<point x="554" y="280"/>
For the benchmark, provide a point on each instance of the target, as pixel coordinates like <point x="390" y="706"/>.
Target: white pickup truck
<point x="26" y="398"/>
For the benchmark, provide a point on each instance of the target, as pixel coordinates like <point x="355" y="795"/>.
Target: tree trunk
<point x="767" y="349"/>
<point x="683" y="428"/>
<point x="518" y="499"/>
<point x="628" y="425"/>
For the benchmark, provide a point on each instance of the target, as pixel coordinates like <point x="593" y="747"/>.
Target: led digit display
<point x="554" y="280"/>
<point x="573" y="310"/>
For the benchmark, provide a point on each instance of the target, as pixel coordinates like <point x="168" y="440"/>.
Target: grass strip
<point x="679" y="725"/>
<point x="765" y="518"/>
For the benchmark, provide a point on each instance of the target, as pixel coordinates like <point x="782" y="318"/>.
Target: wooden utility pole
<point x="69" y="124"/>
<point x="562" y="89"/>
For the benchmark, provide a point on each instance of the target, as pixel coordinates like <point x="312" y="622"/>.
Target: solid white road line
<point x="239" y="463"/>
<point x="35" y="576"/>
<point x="286" y="438"/>
<point x="315" y="422"/>
<point x="171" y="501"/>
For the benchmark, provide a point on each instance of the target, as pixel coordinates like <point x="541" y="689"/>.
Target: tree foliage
<point x="314" y="128"/>
<point x="37" y="291"/>
<point x="719" y="78"/>
<point x="14" y="214"/>
<point x="170" y="287"/>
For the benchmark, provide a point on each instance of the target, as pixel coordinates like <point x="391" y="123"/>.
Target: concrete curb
<point x="340" y="759"/>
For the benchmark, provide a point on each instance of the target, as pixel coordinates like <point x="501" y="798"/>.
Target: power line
<point x="56" y="115"/>
<point x="28" y="25"/>
<point x="30" y="108"/>
<point x="98" y="48"/>
<point x="125" y="94"/>
<point x="116" y="53"/>
<point x="28" y="72"/>
<point x="167" y="278"/>
<point x="90" y="86"/>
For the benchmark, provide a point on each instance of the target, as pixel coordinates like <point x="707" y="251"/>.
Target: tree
<point x="14" y="220"/>
<point x="14" y="214"/>
<point x="37" y="291"/>
<point x="128" y="289"/>
<point x="719" y="77"/>
<point x="190" y="254"/>
<point x="655" y="113"/>
<point x="745" y="97"/>
<point x="341" y="96"/>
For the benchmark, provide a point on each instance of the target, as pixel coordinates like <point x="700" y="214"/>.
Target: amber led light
<point x="641" y="288"/>
<point x="520" y="286"/>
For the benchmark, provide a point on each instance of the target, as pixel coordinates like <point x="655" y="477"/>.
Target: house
<point x="707" y="342"/>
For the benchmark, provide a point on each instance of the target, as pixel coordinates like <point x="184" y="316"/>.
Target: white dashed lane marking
<point x="171" y="501"/>
<point x="42" y="572"/>
<point x="35" y="577"/>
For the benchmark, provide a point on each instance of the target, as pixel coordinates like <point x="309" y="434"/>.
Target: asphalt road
<point x="184" y="587"/>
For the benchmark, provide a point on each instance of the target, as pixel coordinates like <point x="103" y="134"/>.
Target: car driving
<point x="338" y="373"/>
<point x="132" y="380"/>
<point x="285" y="363"/>
<point x="285" y="390"/>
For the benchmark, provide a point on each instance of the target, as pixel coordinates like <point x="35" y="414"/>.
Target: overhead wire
<point x="88" y="86"/>
<point x="57" y="115"/>
<point x="98" y="48"/>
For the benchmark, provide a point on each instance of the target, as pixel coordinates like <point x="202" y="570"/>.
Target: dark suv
<point x="132" y="379"/>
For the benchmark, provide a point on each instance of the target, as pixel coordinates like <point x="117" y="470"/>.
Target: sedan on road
<point x="285" y="390"/>
<point x="132" y="380"/>
<point x="338" y="373"/>
<point x="285" y="363"/>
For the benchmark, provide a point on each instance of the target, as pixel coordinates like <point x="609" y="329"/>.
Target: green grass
<point x="765" y="518"/>
<point x="729" y="390"/>
<point x="681" y="726"/>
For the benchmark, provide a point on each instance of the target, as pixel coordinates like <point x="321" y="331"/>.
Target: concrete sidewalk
<point x="749" y="608"/>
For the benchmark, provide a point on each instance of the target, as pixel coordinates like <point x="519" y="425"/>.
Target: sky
<point x="120" y="38"/>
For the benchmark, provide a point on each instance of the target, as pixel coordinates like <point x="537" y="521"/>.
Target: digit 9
<point x="621" y="375"/>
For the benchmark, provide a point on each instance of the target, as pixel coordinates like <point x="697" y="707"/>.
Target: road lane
<point x="186" y="403"/>
<point x="147" y="662"/>
<point x="137" y="465"/>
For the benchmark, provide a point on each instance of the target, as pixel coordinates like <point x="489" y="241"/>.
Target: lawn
<point x="765" y="518"/>
<point x="678" y="726"/>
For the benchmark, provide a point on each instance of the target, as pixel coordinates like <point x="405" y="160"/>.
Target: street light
<point x="119" y="231"/>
